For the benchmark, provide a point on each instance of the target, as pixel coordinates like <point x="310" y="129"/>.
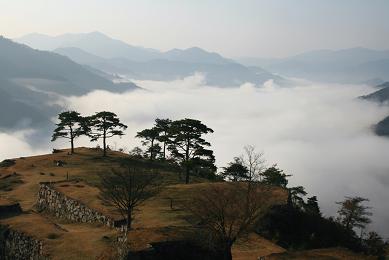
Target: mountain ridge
<point x="31" y="79"/>
<point x="226" y="74"/>
<point x="353" y="65"/>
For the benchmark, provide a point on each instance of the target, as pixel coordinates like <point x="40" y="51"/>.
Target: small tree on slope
<point x="236" y="171"/>
<point x="129" y="188"/>
<point x="228" y="211"/>
<point x="353" y="214"/>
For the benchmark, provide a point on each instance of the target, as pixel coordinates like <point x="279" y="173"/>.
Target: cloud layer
<point x="17" y="144"/>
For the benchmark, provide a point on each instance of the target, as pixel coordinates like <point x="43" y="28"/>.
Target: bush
<point x="53" y="236"/>
<point x="295" y="229"/>
<point x="8" y="182"/>
<point x="7" y="163"/>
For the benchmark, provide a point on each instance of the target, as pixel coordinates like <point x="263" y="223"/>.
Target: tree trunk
<point x="164" y="150"/>
<point x="72" y="145"/>
<point x="129" y="219"/>
<point x="152" y="150"/>
<point x="71" y="141"/>
<point x="187" y="161"/>
<point x="104" y="147"/>
<point x="187" y="174"/>
<point x="227" y="255"/>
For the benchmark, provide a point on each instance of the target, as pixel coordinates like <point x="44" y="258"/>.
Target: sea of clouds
<point x="319" y="133"/>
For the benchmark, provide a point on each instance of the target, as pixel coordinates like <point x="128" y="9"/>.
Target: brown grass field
<point x="154" y="221"/>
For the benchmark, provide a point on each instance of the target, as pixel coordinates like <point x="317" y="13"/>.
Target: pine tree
<point x="71" y="125"/>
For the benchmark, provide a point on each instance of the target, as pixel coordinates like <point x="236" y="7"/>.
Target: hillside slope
<point x="162" y="223"/>
<point x="154" y="223"/>
<point x="31" y="81"/>
<point x="380" y="96"/>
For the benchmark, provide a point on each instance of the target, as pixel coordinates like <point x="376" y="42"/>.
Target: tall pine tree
<point x="71" y="125"/>
<point x="187" y="145"/>
<point x="103" y="125"/>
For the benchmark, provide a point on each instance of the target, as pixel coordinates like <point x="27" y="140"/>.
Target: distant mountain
<point x="98" y="44"/>
<point x="30" y="79"/>
<point x="353" y="65"/>
<point x="95" y="43"/>
<point x="381" y="95"/>
<point x="382" y="128"/>
<point x="219" y="71"/>
<point x="195" y="55"/>
<point x="55" y="73"/>
<point x="383" y="85"/>
<point x="17" y="111"/>
<point x="79" y="56"/>
<point x="116" y="57"/>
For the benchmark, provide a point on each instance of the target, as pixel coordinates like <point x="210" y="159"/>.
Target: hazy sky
<point x="234" y="28"/>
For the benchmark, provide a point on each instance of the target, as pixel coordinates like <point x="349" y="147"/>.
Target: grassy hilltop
<point x="160" y="219"/>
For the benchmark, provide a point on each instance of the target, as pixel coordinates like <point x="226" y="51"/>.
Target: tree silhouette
<point x="275" y="176"/>
<point x="127" y="189"/>
<point x="71" y="125"/>
<point x="352" y="213"/>
<point x="254" y="162"/>
<point x="150" y="136"/>
<point x="312" y="206"/>
<point x="103" y="125"/>
<point x="236" y="171"/>
<point x="296" y="195"/>
<point x="228" y="211"/>
<point x="187" y="145"/>
<point x="163" y="127"/>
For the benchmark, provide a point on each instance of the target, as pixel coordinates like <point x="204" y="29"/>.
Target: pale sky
<point x="262" y="28"/>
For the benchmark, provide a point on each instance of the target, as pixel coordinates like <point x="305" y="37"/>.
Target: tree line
<point x="101" y="125"/>
<point x="180" y="140"/>
<point x="299" y="223"/>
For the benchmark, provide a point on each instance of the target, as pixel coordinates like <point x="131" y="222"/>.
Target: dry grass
<point x="79" y="241"/>
<point x="159" y="219"/>
<point x="321" y="254"/>
<point x="88" y="195"/>
<point x="253" y="246"/>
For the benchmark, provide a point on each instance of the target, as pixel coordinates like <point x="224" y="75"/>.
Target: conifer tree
<point x="103" y="125"/>
<point x="71" y="125"/>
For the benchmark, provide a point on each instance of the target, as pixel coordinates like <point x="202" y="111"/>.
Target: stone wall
<point x="16" y="245"/>
<point x="67" y="208"/>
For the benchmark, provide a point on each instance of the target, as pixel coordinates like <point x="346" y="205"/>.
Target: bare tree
<point x="127" y="189"/>
<point x="228" y="211"/>
<point x="254" y="162"/>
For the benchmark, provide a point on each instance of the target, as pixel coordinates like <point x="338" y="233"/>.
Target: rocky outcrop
<point x="16" y="245"/>
<point x="53" y="201"/>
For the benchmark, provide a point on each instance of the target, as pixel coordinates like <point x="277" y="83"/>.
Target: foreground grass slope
<point x="162" y="218"/>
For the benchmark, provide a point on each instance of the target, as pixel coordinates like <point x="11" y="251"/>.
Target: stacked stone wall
<point x="57" y="203"/>
<point x="16" y="245"/>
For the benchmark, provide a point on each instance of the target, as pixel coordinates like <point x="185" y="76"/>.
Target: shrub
<point x="53" y="236"/>
<point x="7" y="163"/>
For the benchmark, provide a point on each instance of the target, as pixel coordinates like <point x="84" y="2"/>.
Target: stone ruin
<point x="64" y="207"/>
